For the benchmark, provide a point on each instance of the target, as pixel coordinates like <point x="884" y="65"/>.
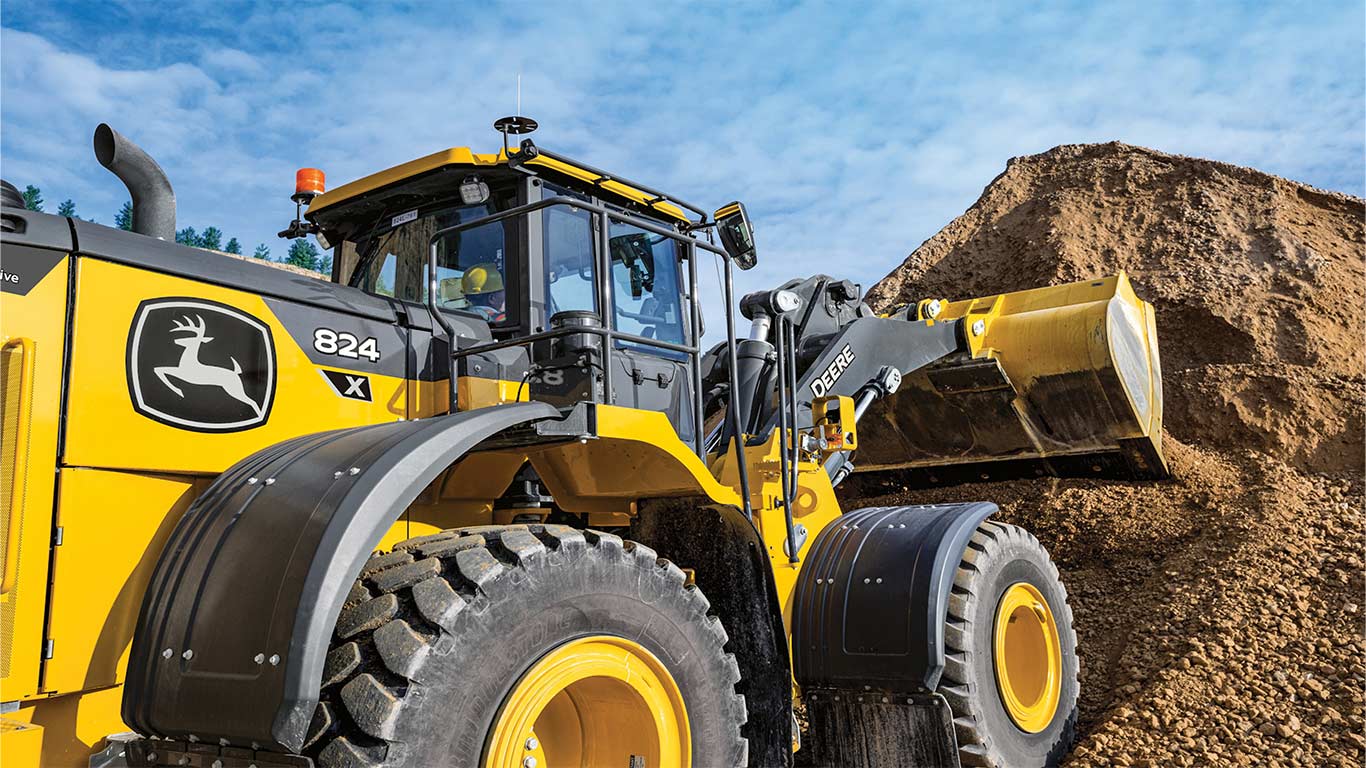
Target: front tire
<point x="1010" y="671"/>
<point x="482" y="647"/>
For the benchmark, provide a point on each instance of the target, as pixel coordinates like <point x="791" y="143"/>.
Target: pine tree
<point x="187" y="236"/>
<point x="33" y="198"/>
<point x="261" y="252"/>
<point x="303" y="254"/>
<point x="124" y="218"/>
<point x="325" y="264"/>
<point x="211" y="238"/>
<point x="67" y="208"/>
<point x="233" y="246"/>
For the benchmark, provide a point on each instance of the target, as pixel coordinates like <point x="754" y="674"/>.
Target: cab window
<point x="472" y="266"/>
<point x="567" y="237"/>
<point x="646" y="287"/>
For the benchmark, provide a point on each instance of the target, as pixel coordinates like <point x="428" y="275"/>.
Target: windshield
<point x="471" y="266"/>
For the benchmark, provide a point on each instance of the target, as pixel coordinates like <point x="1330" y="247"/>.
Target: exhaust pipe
<point x="153" y="198"/>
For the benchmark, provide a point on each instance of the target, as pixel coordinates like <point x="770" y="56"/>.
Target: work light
<point x="473" y="190"/>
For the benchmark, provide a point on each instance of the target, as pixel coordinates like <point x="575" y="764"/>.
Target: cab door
<point x="649" y="301"/>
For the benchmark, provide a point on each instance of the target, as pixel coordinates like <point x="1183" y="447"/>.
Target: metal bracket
<point x="799" y="536"/>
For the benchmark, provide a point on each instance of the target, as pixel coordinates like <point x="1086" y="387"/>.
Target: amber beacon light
<point x="308" y="184"/>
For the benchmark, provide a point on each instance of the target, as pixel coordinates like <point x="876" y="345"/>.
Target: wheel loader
<point x="484" y="498"/>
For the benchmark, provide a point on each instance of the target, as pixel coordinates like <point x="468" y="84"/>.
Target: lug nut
<point x="530" y="762"/>
<point x="532" y="743"/>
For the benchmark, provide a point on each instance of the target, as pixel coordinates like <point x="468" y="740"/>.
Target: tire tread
<point x="976" y="746"/>
<point x="407" y="600"/>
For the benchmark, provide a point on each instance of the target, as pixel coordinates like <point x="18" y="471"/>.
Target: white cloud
<point x="851" y="136"/>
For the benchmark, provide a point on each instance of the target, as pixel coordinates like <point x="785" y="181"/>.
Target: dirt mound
<point x="1218" y="612"/>
<point x="1259" y="284"/>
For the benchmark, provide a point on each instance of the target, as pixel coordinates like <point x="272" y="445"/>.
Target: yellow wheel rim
<point x="1028" y="657"/>
<point x="595" y="701"/>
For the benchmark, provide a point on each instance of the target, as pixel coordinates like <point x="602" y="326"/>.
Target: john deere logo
<point x="200" y="365"/>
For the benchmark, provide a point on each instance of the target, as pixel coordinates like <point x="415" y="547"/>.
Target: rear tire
<point x="1002" y="564"/>
<point x="437" y="633"/>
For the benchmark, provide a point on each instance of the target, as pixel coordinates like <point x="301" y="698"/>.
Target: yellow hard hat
<point x="482" y="278"/>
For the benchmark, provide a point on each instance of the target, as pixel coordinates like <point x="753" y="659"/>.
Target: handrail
<point x="15" y="497"/>
<point x="604" y="177"/>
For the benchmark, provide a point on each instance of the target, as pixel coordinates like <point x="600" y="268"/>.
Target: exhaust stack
<point x="153" y="198"/>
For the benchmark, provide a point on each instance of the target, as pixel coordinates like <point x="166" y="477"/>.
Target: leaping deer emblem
<point x="191" y="371"/>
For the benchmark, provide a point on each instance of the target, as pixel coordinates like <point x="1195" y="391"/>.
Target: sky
<point x="852" y="132"/>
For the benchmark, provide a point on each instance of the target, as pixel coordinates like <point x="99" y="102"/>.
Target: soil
<point x="1219" y="612"/>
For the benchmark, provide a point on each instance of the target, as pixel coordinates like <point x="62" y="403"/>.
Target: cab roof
<point x="463" y="157"/>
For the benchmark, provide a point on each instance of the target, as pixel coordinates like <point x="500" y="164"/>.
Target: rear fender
<point x="237" y="618"/>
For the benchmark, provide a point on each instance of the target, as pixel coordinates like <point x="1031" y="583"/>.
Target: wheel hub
<point x="1028" y="657"/>
<point x="598" y="700"/>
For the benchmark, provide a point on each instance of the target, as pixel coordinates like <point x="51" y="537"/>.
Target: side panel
<point x="114" y="525"/>
<point x="150" y="392"/>
<point x="73" y="727"/>
<point x="32" y="318"/>
<point x="21" y="744"/>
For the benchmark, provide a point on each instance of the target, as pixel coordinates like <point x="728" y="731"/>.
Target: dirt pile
<point x="1219" y="613"/>
<point x="277" y="264"/>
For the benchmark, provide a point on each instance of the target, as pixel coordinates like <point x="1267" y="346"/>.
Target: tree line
<point x="302" y="253"/>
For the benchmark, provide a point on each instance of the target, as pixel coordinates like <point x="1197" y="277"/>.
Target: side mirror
<point x="737" y="236"/>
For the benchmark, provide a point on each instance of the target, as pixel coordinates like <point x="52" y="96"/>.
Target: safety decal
<point x="25" y="267"/>
<point x="352" y="386"/>
<point x="199" y="365"/>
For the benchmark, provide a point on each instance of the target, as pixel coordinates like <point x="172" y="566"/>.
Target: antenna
<point x="514" y="125"/>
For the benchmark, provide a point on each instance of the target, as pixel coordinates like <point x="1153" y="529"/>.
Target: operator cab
<point x="525" y="291"/>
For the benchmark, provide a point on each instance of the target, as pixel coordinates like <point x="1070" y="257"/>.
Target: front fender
<point x="872" y="597"/>
<point x="237" y="617"/>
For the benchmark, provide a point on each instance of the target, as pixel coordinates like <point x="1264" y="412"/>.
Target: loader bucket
<point x="1057" y="381"/>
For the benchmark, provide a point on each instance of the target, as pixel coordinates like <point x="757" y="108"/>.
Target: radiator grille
<point x="14" y="406"/>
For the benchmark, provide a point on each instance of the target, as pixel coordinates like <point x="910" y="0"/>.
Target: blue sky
<point x="853" y="132"/>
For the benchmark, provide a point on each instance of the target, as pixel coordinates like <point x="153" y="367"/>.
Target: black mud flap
<point x="861" y="729"/>
<point x="235" y="624"/>
<point x="868" y="618"/>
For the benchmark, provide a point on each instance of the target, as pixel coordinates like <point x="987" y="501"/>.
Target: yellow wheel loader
<point x="484" y="498"/>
